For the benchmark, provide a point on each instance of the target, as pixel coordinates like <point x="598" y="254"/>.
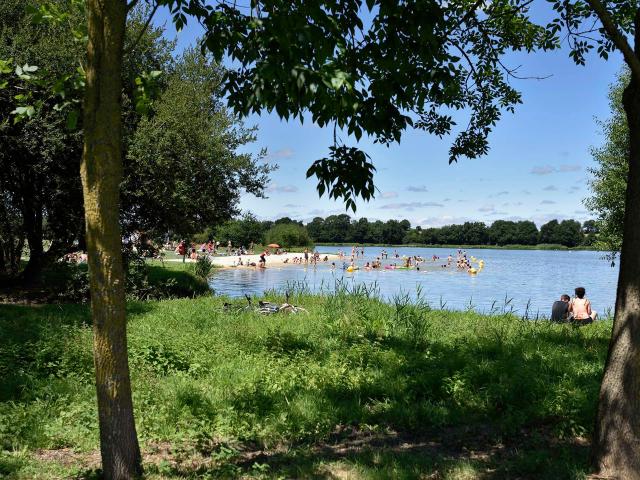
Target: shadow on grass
<point x="448" y="454"/>
<point x="31" y="339"/>
<point x="41" y="342"/>
<point x="493" y="405"/>
<point x="183" y="283"/>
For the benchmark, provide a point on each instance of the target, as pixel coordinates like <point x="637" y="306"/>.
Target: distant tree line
<point x="343" y="229"/>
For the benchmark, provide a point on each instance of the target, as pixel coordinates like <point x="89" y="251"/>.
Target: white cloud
<point x="547" y="202"/>
<point x="389" y="194"/>
<point x="417" y="188"/>
<point x="409" y="206"/>
<point x="543" y="170"/>
<point x="442" y="220"/>
<point x="275" y="188"/>
<point x="569" y="168"/>
<point x="281" y="154"/>
<point x="487" y="208"/>
<point x="549" y="169"/>
<point x="550" y="188"/>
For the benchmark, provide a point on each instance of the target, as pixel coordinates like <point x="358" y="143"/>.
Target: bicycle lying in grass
<point x="264" y="308"/>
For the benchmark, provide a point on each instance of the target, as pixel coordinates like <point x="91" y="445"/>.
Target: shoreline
<point x="467" y="247"/>
<point x="230" y="261"/>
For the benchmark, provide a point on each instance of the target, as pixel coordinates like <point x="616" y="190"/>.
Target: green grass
<point x="353" y="389"/>
<point x="186" y="284"/>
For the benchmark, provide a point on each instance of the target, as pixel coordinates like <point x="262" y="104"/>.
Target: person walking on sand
<point x="580" y="307"/>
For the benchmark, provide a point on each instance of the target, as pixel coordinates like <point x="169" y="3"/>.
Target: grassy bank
<point x="542" y="246"/>
<point x="353" y="389"/>
<point x="69" y="283"/>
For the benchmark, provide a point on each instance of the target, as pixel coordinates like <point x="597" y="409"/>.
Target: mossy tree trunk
<point x="616" y="444"/>
<point x="101" y="172"/>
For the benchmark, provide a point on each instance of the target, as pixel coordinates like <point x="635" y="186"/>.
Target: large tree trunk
<point x="101" y="172"/>
<point x="616" y="444"/>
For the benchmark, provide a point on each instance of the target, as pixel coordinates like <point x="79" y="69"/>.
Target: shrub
<point x="288" y="235"/>
<point x="202" y="267"/>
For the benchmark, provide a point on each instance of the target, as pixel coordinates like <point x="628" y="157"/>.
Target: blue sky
<point x="537" y="168"/>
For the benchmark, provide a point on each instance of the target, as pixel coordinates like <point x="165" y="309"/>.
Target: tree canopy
<point x="370" y="68"/>
<point x="609" y="182"/>
<point x="182" y="168"/>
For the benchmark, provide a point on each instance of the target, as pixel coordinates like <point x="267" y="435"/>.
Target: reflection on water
<point x="534" y="277"/>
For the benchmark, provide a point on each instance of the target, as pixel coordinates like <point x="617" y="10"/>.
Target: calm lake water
<point x="510" y="280"/>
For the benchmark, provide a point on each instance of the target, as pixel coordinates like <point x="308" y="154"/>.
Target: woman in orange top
<point x="580" y="307"/>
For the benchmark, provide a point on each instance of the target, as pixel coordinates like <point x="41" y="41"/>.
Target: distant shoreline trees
<point x="344" y="229"/>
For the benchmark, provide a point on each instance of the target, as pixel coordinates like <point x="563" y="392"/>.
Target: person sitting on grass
<point x="580" y="307"/>
<point x="560" y="309"/>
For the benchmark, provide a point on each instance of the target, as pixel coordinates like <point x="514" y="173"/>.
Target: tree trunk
<point x="32" y="215"/>
<point x="101" y="172"/>
<point x="616" y="444"/>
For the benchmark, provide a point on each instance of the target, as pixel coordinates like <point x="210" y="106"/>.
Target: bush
<point x="288" y="235"/>
<point x="143" y="281"/>
<point x="202" y="267"/>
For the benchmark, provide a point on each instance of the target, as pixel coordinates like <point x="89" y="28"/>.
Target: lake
<point x="511" y="279"/>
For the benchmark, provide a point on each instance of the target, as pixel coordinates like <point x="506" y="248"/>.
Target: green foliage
<point x="342" y="229"/>
<point x="242" y="231"/>
<point x="70" y="283"/>
<point x="288" y="235"/>
<point x="609" y="182"/>
<point x="203" y="266"/>
<point x="39" y="157"/>
<point x="567" y="232"/>
<point x="210" y="383"/>
<point x="321" y="58"/>
<point x="183" y="168"/>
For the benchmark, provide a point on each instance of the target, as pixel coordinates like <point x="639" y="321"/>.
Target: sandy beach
<point x="275" y="260"/>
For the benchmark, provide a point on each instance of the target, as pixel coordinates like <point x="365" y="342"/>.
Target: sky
<point x="536" y="169"/>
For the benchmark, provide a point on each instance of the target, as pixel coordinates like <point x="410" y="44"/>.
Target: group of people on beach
<point x="576" y="310"/>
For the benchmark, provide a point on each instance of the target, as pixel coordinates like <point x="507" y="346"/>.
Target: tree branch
<point x="144" y="29"/>
<point x="617" y="37"/>
<point x="131" y="5"/>
<point x="466" y="16"/>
